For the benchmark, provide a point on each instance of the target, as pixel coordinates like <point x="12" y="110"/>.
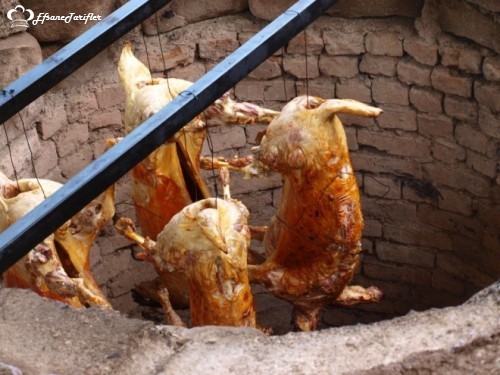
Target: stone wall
<point x="427" y="168"/>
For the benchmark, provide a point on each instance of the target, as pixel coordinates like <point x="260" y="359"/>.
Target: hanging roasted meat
<point x="169" y="178"/>
<point x="313" y="241"/>
<point x="207" y="242"/>
<point x="59" y="266"/>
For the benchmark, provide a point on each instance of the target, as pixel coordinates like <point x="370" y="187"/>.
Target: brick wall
<point x="427" y="168"/>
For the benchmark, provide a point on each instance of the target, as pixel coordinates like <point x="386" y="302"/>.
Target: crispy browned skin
<point x="59" y="267"/>
<point x="208" y="242"/>
<point x="169" y="178"/>
<point x="313" y="241"/>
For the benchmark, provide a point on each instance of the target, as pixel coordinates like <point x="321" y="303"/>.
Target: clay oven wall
<point x="427" y="168"/>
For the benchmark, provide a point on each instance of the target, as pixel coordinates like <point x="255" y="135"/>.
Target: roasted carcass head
<point x="169" y="178"/>
<point x="58" y="267"/>
<point x="207" y="242"/>
<point x="313" y="241"/>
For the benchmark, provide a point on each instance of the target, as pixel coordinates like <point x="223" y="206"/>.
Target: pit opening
<point x="427" y="168"/>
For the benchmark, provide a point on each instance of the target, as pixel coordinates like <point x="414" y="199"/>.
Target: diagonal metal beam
<point x="44" y="219"/>
<point x="72" y="56"/>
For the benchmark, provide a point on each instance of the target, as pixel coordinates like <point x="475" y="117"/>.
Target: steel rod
<point x="61" y="64"/>
<point x="44" y="219"/>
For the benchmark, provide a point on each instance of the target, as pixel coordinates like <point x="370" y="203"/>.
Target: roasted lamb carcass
<point x="169" y="178"/>
<point x="207" y="242"/>
<point x="313" y="241"/>
<point x="59" y="267"/>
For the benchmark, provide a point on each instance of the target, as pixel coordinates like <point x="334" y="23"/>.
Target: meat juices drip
<point x="207" y="242"/>
<point x="169" y="178"/>
<point x="314" y="240"/>
<point x="59" y="267"/>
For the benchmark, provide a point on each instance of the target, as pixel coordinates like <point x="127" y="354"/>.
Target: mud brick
<point x="417" y="256"/>
<point x="403" y="145"/>
<point x="418" y="235"/>
<point x="111" y="266"/>
<point x="389" y="210"/>
<point x="448" y="151"/>
<point x="314" y="43"/>
<point x="354" y="88"/>
<point x="227" y="138"/>
<point x="422" y="51"/>
<point x="477" y="26"/>
<point x="488" y="95"/>
<point x="489" y="122"/>
<point x="491" y="5"/>
<point x="352" y="143"/>
<point x="279" y="90"/>
<point x="218" y="48"/>
<point x="465" y="59"/>
<point x="297" y="66"/>
<point x="385" y="187"/>
<point x="487" y="213"/>
<point x="411" y="194"/>
<point x="110" y="97"/>
<point x="491" y="240"/>
<point x="391" y="272"/>
<point x="435" y="125"/>
<point x="322" y="87"/>
<point x="131" y="276"/>
<point x="451" y="200"/>
<point x="53" y="120"/>
<point x="369" y="162"/>
<point x="398" y="117"/>
<point x="491" y="68"/>
<point x="46" y="159"/>
<point x="80" y="105"/>
<point x="339" y="66"/>
<point x="373" y="228"/>
<point x="270" y="68"/>
<point x="466" y="135"/>
<point x="482" y="164"/>
<point x="173" y="54"/>
<point x="101" y="119"/>
<point x="71" y="138"/>
<point x="75" y="162"/>
<point x="191" y="72"/>
<point x="21" y="154"/>
<point x="239" y="185"/>
<point x="458" y="176"/>
<point x="426" y="100"/>
<point x="385" y="44"/>
<point x="451" y="82"/>
<point x="444" y="281"/>
<point x="445" y="220"/>
<point x="390" y="91"/>
<point x="460" y="108"/>
<point x="411" y="72"/>
<point x="373" y="64"/>
<point x="343" y="43"/>
<point x="463" y="270"/>
<point x="250" y="90"/>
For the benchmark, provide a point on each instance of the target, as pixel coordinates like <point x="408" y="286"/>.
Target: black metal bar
<point x="97" y="176"/>
<point x="72" y="56"/>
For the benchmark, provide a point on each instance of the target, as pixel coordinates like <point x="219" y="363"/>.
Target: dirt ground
<point x="39" y="336"/>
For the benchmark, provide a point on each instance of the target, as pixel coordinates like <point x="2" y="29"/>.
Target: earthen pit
<point x="428" y="168"/>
